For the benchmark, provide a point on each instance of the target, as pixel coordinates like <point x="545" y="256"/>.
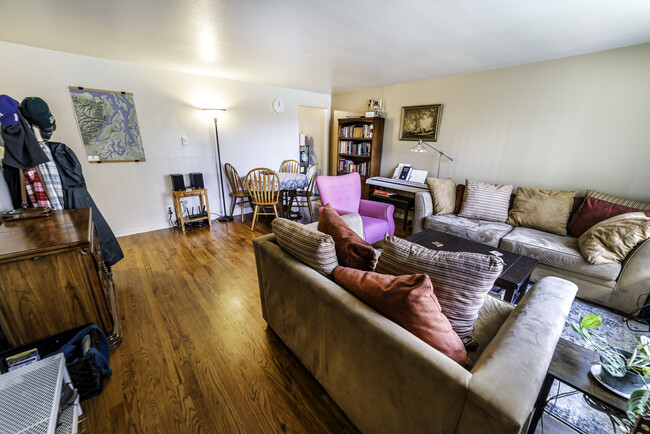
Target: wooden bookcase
<point x="359" y="148"/>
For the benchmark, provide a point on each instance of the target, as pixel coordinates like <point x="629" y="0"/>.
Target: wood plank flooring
<point x="197" y="356"/>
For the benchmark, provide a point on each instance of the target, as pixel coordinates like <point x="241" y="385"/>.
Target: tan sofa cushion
<point x="546" y="210"/>
<point x="481" y="231"/>
<point x="486" y="201"/>
<point x="443" y="192"/>
<point x="460" y="279"/>
<point x="612" y="239"/>
<point x="491" y="317"/>
<point x="307" y="244"/>
<point x="557" y="251"/>
<point x="410" y="302"/>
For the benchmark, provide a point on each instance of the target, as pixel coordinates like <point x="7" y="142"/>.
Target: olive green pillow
<point x="611" y="240"/>
<point x="546" y="210"/>
<point x="443" y="192"/>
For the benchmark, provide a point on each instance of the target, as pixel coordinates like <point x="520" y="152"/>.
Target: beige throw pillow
<point x="546" y="210"/>
<point x="443" y="192"/>
<point x="612" y="239"/>
<point x="486" y="201"/>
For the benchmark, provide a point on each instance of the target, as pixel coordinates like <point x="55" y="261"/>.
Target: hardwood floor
<point x="197" y="355"/>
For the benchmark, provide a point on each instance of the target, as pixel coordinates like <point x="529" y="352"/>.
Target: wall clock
<point x="278" y="105"/>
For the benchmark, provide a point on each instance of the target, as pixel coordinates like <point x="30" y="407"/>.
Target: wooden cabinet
<point x="359" y="148"/>
<point x="53" y="278"/>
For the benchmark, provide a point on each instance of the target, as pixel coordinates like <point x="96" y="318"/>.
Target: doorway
<point x="312" y="122"/>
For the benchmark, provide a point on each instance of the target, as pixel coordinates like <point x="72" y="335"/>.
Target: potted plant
<point x="624" y="371"/>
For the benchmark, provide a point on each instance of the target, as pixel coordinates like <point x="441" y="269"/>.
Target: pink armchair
<point x="344" y="193"/>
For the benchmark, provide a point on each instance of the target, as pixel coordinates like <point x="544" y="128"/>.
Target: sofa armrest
<point x="423" y="208"/>
<point x="633" y="283"/>
<point x="506" y="379"/>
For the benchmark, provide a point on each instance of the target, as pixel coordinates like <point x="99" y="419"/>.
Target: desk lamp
<point x="420" y="148"/>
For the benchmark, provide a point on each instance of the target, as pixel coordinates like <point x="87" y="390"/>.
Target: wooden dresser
<point x="53" y="278"/>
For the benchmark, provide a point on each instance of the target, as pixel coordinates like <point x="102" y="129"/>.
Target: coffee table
<point x="571" y="364"/>
<point x="516" y="272"/>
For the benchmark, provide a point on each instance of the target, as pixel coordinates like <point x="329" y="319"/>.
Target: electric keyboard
<point x="399" y="182"/>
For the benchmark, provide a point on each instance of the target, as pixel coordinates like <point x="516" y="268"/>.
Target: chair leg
<point x="275" y="210"/>
<point x="243" y="200"/>
<point x="254" y="217"/>
<point x="232" y="204"/>
<point x="311" y="209"/>
<point x="290" y="206"/>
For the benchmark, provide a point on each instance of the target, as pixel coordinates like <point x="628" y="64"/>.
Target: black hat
<point x="38" y="113"/>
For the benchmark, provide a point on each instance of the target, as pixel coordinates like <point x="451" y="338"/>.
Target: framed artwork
<point x="420" y="122"/>
<point x="108" y="124"/>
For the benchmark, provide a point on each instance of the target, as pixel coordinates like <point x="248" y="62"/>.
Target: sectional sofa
<point x="387" y="380"/>
<point x="623" y="286"/>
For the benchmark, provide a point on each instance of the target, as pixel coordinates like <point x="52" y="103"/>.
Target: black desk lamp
<point x="420" y="148"/>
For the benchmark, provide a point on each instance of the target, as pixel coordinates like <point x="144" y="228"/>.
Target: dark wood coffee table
<point x="517" y="269"/>
<point x="571" y="364"/>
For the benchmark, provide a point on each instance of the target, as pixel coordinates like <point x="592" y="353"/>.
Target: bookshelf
<point x="359" y="148"/>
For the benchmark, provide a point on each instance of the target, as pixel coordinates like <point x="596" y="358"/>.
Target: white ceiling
<point x="327" y="45"/>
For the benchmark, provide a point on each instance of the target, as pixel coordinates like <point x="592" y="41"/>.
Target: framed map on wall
<point x="108" y="125"/>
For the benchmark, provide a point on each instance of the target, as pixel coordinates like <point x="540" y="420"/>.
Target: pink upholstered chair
<point x="344" y="193"/>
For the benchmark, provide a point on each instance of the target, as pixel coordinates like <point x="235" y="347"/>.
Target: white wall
<point x="574" y="123"/>
<point x="134" y="197"/>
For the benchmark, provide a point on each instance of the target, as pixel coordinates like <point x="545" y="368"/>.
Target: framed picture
<point x="420" y="122"/>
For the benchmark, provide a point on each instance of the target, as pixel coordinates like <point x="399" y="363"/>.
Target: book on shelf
<point x="383" y="193"/>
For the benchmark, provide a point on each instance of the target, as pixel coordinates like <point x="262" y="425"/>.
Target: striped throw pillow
<point x="486" y="201"/>
<point x="308" y="245"/>
<point x="460" y="279"/>
<point x="618" y="200"/>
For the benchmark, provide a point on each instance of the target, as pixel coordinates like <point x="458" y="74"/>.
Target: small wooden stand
<point x="203" y="195"/>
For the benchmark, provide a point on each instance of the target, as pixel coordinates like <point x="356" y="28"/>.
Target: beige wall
<point x="574" y="123"/>
<point x="134" y="197"/>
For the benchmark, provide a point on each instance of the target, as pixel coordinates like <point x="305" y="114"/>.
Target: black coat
<point x="75" y="195"/>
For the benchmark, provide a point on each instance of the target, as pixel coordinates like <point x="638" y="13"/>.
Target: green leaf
<point x="591" y="321"/>
<point x="638" y="404"/>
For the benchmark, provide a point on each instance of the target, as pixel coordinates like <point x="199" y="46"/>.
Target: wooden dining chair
<point x="303" y="196"/>
<point x="291" y="166"/>
<point x="264" y="187"/>
<point x="237" y="190"/>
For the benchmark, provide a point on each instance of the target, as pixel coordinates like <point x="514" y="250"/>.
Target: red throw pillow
<point x="595" y="211"/>
<point x="408" y="301"/>
<point x="351" y="250"/>
<point x="460" y="192"/>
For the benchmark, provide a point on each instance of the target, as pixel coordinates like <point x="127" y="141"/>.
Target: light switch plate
<point x="185" y="141"/>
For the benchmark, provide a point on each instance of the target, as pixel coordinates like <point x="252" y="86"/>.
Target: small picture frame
<point x="420" y="122"/>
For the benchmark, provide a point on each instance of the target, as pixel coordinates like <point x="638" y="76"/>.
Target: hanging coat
<point x="75" y="195"/>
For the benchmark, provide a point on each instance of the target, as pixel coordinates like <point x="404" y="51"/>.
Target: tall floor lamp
<point x="419" y="148"/>
<point x="225" y="217"/>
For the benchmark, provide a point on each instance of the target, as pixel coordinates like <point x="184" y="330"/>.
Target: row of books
<point x="354" y="148"/>
<point x="383" y="193"/>
<point x="349" y="166"/>
<point x="357" y="131"/>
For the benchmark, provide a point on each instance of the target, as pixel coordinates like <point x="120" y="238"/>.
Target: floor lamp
<point x="225" y="217"/>
<point x="419" y="148"/>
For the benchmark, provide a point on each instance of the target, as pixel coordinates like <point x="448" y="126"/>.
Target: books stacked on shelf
<point x="383" y="193"/>
<point x="357" y="131"/>
<point x="349" y="166"/>
<point x="354" y="148"/>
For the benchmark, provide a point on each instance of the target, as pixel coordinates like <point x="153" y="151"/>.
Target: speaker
<point x="178" y="184"/>
<point x="197" y="180"/>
